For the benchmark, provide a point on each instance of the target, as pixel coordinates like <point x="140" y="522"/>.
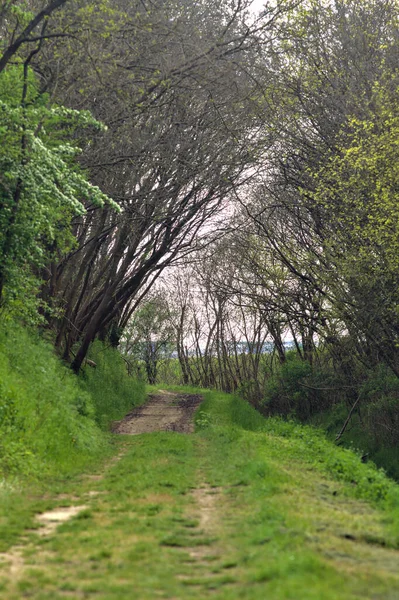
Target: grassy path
<point x="230" y="512"/>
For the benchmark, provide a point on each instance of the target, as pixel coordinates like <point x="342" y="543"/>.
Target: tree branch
<point x="24" y="36"/>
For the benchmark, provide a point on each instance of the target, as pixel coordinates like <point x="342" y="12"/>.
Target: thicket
<point x="357" y="409"/>
<point x="51" y="421"/>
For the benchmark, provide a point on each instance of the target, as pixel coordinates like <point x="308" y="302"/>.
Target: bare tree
<point x="174" y="86"/>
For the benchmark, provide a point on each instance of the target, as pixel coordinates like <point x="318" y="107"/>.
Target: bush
<point x="284" y="392"/>
<point x="300" y="390"/>
<point x="380" y="411"/>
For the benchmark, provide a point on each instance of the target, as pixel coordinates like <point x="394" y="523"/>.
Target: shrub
<point x="380" y="406"/>
<point x="284" y="393"/>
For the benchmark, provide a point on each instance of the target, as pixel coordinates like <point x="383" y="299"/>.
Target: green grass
<point x="46" y="418"/>
<point x="112" y="391"/>
<point x="52" y="422"/>
<point x="246" y="508"/>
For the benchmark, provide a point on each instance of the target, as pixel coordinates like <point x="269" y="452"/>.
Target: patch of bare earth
<point x="206" y="500"/>
<point x="14" y="561"/>
<point x="202" y="570"/>
<point x="164" y="411"/>
<point x="48" y="521"/>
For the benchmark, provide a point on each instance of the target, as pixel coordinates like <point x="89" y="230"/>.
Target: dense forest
<point x="212" y="189"/>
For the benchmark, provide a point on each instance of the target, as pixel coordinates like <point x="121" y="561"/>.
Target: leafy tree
<point x="319" y="211"/>
<point x="150" y="335"/>
<point x="41" y="185"/>
<point x="21" y="27"/>
<point x="358" y="189"/>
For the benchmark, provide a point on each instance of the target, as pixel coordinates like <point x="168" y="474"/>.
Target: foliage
<point x="293" y="114"/>
<point x="356" y="194"/>
<point x="114" y="393"/>
<point x="304" y="443"/>
<point x="379" y="410"/>
<point x="373" y="427"/>
<point x="324" y="396"/>
<point x="286" y="392"/>
<point x="358" y="185"/>
<point x="169" y="372"/>
<point x="41" y="185"/>
<point x="172" y="81"/>
<point x="149" y="335"/>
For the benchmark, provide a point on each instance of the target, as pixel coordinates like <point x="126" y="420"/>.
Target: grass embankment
<point x="52" y="422"/>
<point x="320" y="395"/>
<point x="53" y="425"/>
<point x="244" y="508"/>
<point x="377" y="449"/>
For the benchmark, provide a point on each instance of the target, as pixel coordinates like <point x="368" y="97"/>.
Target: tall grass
<point x="52" y="422"/>
<point x="112" y="391"/>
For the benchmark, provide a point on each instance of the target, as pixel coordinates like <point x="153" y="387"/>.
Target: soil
<point x="206" y="501"/>
<point x="164" y="411"/>
<point x="50" y="520"/>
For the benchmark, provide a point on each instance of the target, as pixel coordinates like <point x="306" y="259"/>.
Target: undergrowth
<point x="303" y="443"/>
<point x="112" y="391"/>
<point x="52" y="422"/>
<point x="323" y="396"/>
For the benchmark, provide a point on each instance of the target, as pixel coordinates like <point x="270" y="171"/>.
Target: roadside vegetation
<point x="357" y="407"/>
<point x="197" y="194"/>
<point x="224" y="184"/>
<point x="52" y="422"/>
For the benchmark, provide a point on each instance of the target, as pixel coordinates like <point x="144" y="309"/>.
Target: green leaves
<point x="358" y="186"/>
<point x="42" y="187"/>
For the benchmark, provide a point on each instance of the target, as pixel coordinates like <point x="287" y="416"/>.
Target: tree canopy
<point x="262" y="147"/>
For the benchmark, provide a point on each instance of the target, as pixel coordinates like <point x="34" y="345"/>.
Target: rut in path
<point x="165" y="411"/>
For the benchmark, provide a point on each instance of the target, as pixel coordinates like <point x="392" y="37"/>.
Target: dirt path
<point x="223" y="514"/>
<point x="164" y="411"/>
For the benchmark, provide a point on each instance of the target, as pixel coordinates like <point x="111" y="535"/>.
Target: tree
<point x="41" y="186"/>
<point x="22" y="27"/>
<point x="182" y="134"/>
<point x="220" y="336"/>
<point x="358" y="189"/>
<point x="315" y="197"/>
<point x="149" y="335"/>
